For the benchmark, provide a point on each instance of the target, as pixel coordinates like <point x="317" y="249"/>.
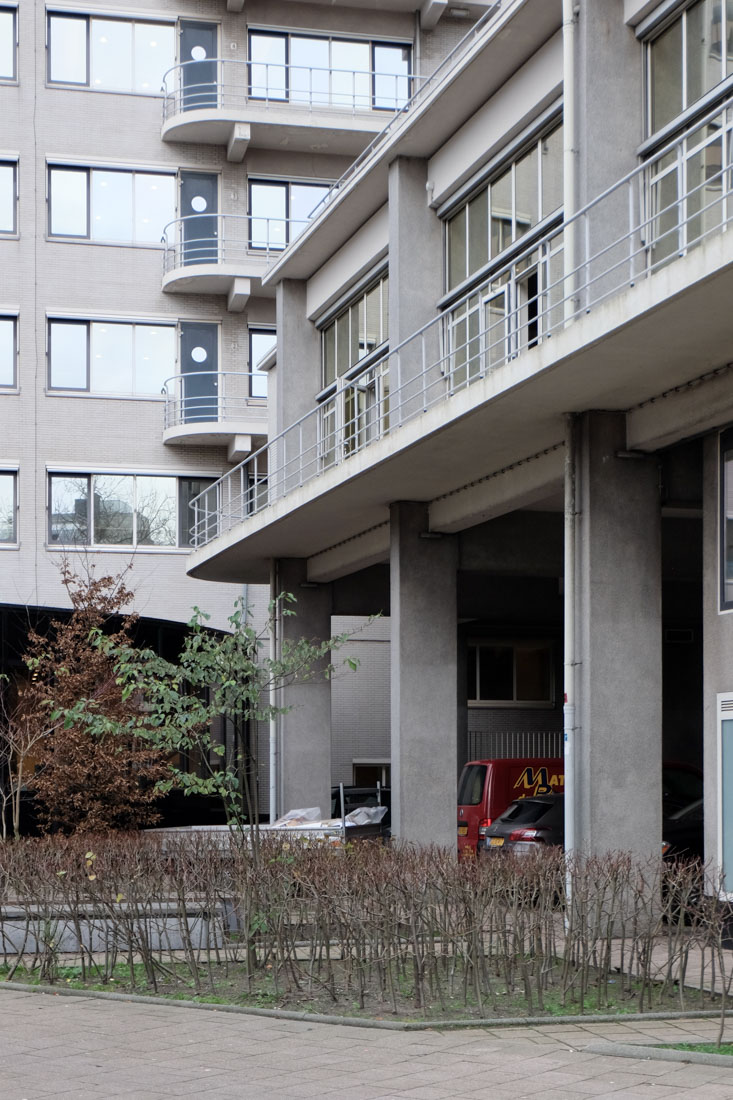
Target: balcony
<point x="223" y="254"/>
<point x="623" y="306"/>
<point x="216" y="409"/>
<point x="238" y="103"/>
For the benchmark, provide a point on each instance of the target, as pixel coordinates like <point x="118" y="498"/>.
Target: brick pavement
<point x="87" y="1049"/>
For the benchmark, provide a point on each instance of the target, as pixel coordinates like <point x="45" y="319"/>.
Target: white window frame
<point x="11" y="471"/>
<point x="723" y="712"/>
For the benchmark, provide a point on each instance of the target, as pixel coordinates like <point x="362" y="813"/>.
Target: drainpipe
<point x="569" y="632"/>
<point x="274" y="641"/>
<point x="569" y="160"/>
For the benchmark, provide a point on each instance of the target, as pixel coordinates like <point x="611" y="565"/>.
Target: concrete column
<point x="305" y="731"/>
<point x="618" y="740"/>
<point x="296" y="381"/>
<point x="424" y="678"/>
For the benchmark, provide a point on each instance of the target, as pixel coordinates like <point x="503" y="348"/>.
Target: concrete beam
<point x="699" y="407"/>
<point x="524" y="484"/>
<point x="371" y="548"/>
<point x="239" y="139"/>
<point x="235" y="5"/>
<point x="239" y="293"/>
<point x="431" y="12"/>
<point x="239" y="447"/>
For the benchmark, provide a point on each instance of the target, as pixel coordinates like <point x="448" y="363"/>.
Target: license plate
<point x="462" y="830"/>
<point x="496" y="841"/>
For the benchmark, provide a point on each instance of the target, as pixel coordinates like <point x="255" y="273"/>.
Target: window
<point x="331" y="72"/>
<point x="109" y="357"/>
<point x="8" y="506"/>
<point x="726" y="520"/>
<point x="188" y="488"/>
<point x="261" y="342"/>
<point x="8" y="196"/>
<point x="510" y="673"/>
<point x="8" y="43"/>
<point x="523" y="194"/>
<point x="112" y="55"/>
<point x="688" y="58"/>
<point x="110" y="205"/>
<point x="280" y="211"/>
<point x="130" y="510"/>
<point x="357" y="331"/>
<point x="8" y="350"/>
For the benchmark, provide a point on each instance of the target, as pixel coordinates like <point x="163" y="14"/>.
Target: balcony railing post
<point x="300" y="453"/>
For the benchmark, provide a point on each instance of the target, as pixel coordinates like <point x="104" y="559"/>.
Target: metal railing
<point x="232" y="85"/>
<point x="660" y="211"/>
<point x="235" y="239"/>
<point x="215" y="397"/>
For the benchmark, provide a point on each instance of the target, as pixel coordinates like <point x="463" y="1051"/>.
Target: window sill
<point x="9" y="546"/>
<point x="508" y="704"/>
<point x="86" y="548"/>
<point x="105" y="244"/>
<point x="63" y="86"/>
<point x="9" y="391"/>
<point x="85" y="395"/>
<point x="9" y="236"/>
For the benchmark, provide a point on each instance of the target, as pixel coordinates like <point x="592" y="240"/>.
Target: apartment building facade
<point x="500" y="409"/>
<point x="155" y="158"/>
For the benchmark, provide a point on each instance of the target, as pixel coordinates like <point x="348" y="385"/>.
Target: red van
<point x="486" y="788"/>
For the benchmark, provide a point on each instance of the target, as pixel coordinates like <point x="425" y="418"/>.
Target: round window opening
<point x="198" y="53"/>
<point x="199" y="203"/>
<point x="199" y="355"/>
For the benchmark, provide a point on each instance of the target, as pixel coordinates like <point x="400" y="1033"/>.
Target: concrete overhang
<point x="295" y="127"/>
<point x="236" y="435"/>
<point x="516" y="34"/>
<point x="237" y="281"/>
<point x="647" y="339"/>
<point x="474" y="8"/>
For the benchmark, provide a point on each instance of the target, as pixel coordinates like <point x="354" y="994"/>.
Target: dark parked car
<point x="682" y="832"/>
<point x="527" y="825"/>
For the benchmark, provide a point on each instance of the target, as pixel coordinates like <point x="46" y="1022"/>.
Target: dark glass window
<point x="8" y="43"/>
<point x="506" y="673"/>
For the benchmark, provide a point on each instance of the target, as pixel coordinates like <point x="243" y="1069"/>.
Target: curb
<point x="657" y="1054"/>
<point x="387" y="1025"/>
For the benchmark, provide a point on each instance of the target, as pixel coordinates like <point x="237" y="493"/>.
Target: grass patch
<point x="703" y="1048"/>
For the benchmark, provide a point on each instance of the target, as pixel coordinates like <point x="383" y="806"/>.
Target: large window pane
<point x="268" y="208"/>
<point x="155" y="203"/>
<point x="111" y="54"/>
<point x="726" y="520"/>
<point x="304" y="198"/>
<point x="7" y="507"/>
<point x="551" y="149"/>
<point x="501" y="213"/>
<point x="665" y="60"/>
<point x="7" y="198"/>
<point x="154" y="52"/>
<point x="114" y="502"/>
<point x="69" y="509"/>
<point x="68" y="198"/>
<point x="7" y="351"/>
<point x="309" y="70"/>
<point x="496" y="673"/>
<point x="260" y="343"/>
<point x="68" y="345"/>
<point x="267" y="72"/>
<point x="457" y="248"/>
<point x="156" y="511"/>
<point x="111" y="206"/>
<point x="155" y="357"/>
<point x="391" y="76"/>
<point x="526" y="182"/>
<point x="351" y="74"/>
<point x="111" y="358"/>
<point x="7" y="45"/>
<point x="478" y="231"/>
<point x="189" y="487"/>
<point x="67" y="44"/>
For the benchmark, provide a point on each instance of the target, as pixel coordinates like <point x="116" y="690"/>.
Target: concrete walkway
<point x="72" y="1047"/>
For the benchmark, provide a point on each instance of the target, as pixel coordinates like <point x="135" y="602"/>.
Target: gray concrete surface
<point x="89" y="1049"/>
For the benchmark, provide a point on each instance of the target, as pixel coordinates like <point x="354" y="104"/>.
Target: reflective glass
<point x="351" y="74"/>
<point x="704" y="62"/>
<point x="156" y="511"/>
<point x="267" y="75"/>
<point x="478" y="231"/>
<point x="114" y="498"/>
<point x="7" y="507"/>
<point x="7" y="351"/>
<point x="154" y="358"/>
<point x="501" y="213"/>
<point x="154" y="52"/>
<point x="111" y="358"/>
<point x="665" y="59"/>
<point x="68" y="197"/>
<point x="67" y="37"/>
<point x="7" y="45"/>
<point x="457" y="248"/>
<point x="68" y="355"/>
<point x="391" y="76"/>
<point x="727" y="518"/>
<point x="268" y="209"/>
<point x="342" y="344"/>
<point x="111" y="218"/>
<point x="260" y="343"/>
<point x="526" y="182"/>
<point x="155" y="205"/>
<point x="304" y="198"/>
<point x="551" y="149"/>
<point x="111" y="54"/>
<point x="373" y="319"/>
<point x="309" y="75"/>
<point x="7" y="198"/>
<point x="188" y="488"/>
<point x="69" y="509"/>
<point x="329" y="355"/>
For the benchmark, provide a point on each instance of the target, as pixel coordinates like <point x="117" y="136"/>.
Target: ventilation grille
<point x="494" y="745"/>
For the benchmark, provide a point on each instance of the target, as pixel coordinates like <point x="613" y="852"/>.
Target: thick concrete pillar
<point x="294" y="383"/>
<point x="618" y="740"/>
<point x="305" y="731"/>
<point x="424" y="678"/>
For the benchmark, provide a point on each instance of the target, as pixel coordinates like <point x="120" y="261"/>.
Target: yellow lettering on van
<point x="537" y="781"/>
